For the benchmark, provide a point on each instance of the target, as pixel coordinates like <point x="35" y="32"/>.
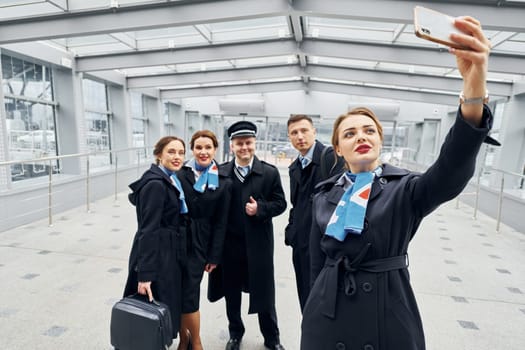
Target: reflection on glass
<point x="30" y="116"/>
<point x="97" y="123"/>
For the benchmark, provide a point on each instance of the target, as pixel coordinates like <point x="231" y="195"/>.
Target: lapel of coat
<point x="389" y="172"/>
<point x="295" y="176"/>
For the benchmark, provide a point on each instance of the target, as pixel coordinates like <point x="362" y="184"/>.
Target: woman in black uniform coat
<point x="361" y="297"/>
<point x="208" y="196"/>
<point x="159" y="246"/>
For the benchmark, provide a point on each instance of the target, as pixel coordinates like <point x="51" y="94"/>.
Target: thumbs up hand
<point x="251" y="207"/>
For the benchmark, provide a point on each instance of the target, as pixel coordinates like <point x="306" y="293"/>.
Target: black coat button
<point x="368" y="347"/>
<point x="367" y="287"/>
<point x="340" y="346"/>
<point x="382" y="181"/>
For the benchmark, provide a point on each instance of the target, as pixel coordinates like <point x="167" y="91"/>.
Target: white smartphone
<point x="435" y="26"/>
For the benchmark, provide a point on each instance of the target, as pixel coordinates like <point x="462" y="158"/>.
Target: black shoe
<point x="234" y="344"/>
<point x="277" y="346"/>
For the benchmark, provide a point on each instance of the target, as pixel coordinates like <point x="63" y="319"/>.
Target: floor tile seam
<point x="472" y="298"/>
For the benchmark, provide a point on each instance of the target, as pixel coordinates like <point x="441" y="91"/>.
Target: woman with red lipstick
<point x="208" y="197"/>
<point x="363" y="221"/>
<point x="159" y="247"/>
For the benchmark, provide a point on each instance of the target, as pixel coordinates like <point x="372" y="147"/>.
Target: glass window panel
<point x="167" y="42"/>
<point x="30" y="134"/>
<point x="341" y="62"/>
<point x="250" y="34"/>
<point x="265" y="61"/>
<point x="94" y="96"/>
<point x="203" y="66"/>
<point x="97" y="131"/>
<point x="29" y="8"/>
<point x="341" y="22"/>
<point x="100" y="49"/>
<point x="248" y="23"/>
<point x="350" y="29"/>
<point x="91" y="4"/>
<point x="165" y="33"/>
<point x="140" y="71"/>
<point x="137" y="107"/>
<point x="90" y="40"/>
<point x="139" y="132"/>
<point x="511" y="46"/>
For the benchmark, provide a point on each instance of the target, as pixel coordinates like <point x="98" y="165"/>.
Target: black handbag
<point x="137" y="324"/>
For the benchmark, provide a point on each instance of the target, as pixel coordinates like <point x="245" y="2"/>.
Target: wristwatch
<point x="473" y="100"/>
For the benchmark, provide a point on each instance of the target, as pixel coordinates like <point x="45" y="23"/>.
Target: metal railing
<point x="137" y="156"/>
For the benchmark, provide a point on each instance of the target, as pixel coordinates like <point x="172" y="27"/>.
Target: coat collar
<point x="316" y="158"/>
<point x="389" y="172"/>
<point x="226" y="169"/>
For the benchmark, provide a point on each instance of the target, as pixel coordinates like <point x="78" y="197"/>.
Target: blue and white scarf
<point x="176" y="182"/>
<point x="209" y="176"/>
<point x="349" y="215"/>
<point x="182" y="197"/>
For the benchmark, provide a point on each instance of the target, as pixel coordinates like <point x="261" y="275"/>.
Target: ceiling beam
<point x="496" y="16"/>
<point x="402" y="80"/>
<point x="422" y="56"/>
<point x="346" y="89"/>
<point x="232" y="90"/>
<point x="419" y="81"/>
<point x="219" y="76"/>
<point x="136" y="17"/>
<point x="61" y="4"/>
<point x="297" y="28"/>
<point x="504" y="16"/>
<point x="379" y="92"/>
<point x="186" y="55"/>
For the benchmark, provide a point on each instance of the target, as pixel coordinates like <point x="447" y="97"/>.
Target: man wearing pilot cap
<point x="247" y="261"/>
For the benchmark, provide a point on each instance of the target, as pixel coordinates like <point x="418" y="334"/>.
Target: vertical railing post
<point x="87" y="184"/>
<point x="116" y="175"/>
<point x="49" y="195"/>
<point x="478" y="187"/>
<point x="500" y="204"/>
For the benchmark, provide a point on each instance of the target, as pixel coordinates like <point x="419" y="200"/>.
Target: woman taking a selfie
<point x="159" y="247"/>
<point x="208" y="196"/>
<point x="364" y="220"/>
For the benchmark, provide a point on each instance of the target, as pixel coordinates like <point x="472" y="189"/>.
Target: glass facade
<point x="30" y="116"/>
<point x="139" y="124"/>
<point x="97" y="117"/>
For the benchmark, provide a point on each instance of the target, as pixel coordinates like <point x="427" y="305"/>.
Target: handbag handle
<point x="143" y="297"/>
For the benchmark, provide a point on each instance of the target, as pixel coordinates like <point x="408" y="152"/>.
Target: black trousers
<point x="235" y="272"/>
<point x="301" y="265"/>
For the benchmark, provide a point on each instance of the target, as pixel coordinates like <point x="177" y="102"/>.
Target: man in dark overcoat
<point x="247" y="261"/>
<point x="305" y="172"/>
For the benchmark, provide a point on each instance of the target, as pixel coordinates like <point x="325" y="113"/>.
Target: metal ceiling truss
<point x="138" y="17"/>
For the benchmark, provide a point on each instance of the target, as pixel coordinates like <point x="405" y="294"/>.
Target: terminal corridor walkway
<point x="58" y="283"/>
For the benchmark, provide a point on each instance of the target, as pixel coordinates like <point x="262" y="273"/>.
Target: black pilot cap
<point x="242" y="129"/>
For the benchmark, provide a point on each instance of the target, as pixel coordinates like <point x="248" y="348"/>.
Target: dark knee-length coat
<point x="159" y="246"/>
<point x="361" y="297"/>
<point x="264" y="185"/>
<point x="209" y="215"/>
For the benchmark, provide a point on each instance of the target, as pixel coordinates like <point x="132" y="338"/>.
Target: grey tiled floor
<point x="58" y="283"/>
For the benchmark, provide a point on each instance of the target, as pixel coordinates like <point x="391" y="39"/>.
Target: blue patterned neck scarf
<point x="175" y="181"/>
<point x="182" y="198"/>
<point x="209" y="176"/>
<point x="349" y="215"/>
